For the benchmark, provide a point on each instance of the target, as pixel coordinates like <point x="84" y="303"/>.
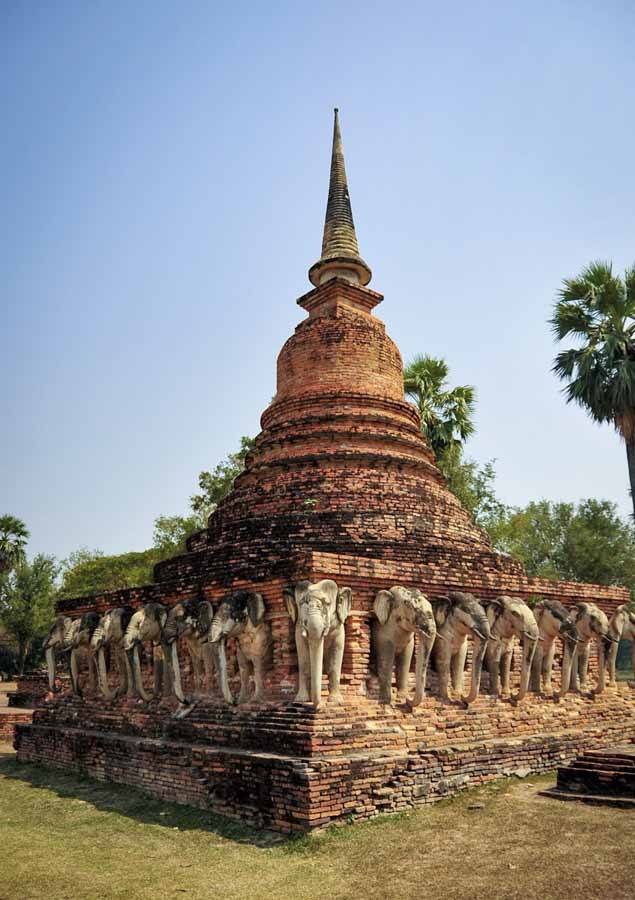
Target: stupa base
<point x="289" y="768"/>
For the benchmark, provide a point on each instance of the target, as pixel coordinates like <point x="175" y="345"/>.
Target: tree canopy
<point x="27" y="596"/>
<point x="13" y="538"/>
<point x="597" y="309"/>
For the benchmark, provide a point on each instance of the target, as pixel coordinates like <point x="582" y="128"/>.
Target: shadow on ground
<point x="133" y="803"/>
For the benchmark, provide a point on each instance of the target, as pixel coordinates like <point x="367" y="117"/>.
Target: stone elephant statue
<point x="146" y="625"/>
<point x="57" y="641"/>
<point x="242" y="616"/>
<point x="591" y="624"/>
<point x="552" y="618"/>
<point x="190" y="621"/>
<point x="458" y="616"/>
<point x="81" y="648"/>
<point x="509" y="618"/>
<point x="110" y="634"/>
<point x="400" y="614"/>
<point x="621" y="628"/>
<point x="318" y="611"/>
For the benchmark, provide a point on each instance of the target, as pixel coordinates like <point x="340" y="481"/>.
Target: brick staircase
<point x="599" y="776"/>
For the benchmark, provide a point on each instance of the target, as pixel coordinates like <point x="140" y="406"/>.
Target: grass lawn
<point x="65" y="837"/>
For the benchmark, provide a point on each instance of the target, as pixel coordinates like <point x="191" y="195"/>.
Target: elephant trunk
<point x="173" y="656"/>
<point x="601" y="664"/>
<point x="529" y="649"/>
<point x="103" y="675"/>
<point x="568" y="661"/>
<point x="50" y="665"/>
<point x="477" y="667"/>
<point x="220" y="660"/>
<point x="613" y="660"/>
<point x="424" y="648"/>
<point x="75" y="673"/>
<point x="137" y="680"/>
<point x="316" y="656"/>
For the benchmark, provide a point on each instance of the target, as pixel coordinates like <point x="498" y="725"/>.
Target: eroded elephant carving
<point x="190" y="621"/>
<point x="458" y="616"/>
<point x="401" y="613"/>
<point x="110" y="634"/>
<point x="146" y="626"/>
<point x="509" y="618"/>
<point x="241" y="616"/>
<point x="319" y="611"/>
<point x="621" y="628"/>
<point x="591" y="624"/>
<point x="552" y="618"/>
<point x="81" y="648"/>
<point x="58" y="640"/>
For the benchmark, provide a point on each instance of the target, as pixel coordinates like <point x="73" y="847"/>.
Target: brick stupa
<point x="341" y="484"/>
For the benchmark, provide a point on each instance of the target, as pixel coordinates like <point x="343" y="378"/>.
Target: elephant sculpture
<point x="241" y="616"/>
<point x="146" y="624"/>
<point x="509" y="618"/>
<point x="458" y="616"/>
<point x="58" y="640"/>
<point x="318" y="611"/>
<point x="402" y="613"/>
<point x="591" y="624"/>
<point x="621" y="628"/>
<point x="189" y="620"/>
<point x="81" y="647"/>
<point x="110" y="634"/>
<point x="553" y="621"/>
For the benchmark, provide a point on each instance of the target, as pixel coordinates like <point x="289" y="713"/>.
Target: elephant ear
<point x="290" y="593"/>
<point x="344" y="603"/>
<point x="382" y="606"/>
<point x="441" y="607"/>
<point x="255" y="607"/>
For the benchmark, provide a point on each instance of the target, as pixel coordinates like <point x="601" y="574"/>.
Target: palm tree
<point x="446" y="414"/>
<point x="13" y="537"/>
<point x="598" y="309"/>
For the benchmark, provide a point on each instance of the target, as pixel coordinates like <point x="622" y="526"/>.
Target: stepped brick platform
<point x="292" y="768"/>
<point x="341" y="484"/>
<point x="599" y="776"/>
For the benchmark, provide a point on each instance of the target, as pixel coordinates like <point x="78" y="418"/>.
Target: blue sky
<point x="165" y="172"/>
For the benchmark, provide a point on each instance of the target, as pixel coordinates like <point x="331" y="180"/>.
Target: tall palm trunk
<point x="630" y="455"/>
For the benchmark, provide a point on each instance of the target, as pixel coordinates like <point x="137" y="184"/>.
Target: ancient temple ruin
<point x="341" y="485"/>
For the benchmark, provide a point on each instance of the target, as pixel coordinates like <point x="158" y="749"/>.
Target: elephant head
<point x="621" y="627"/>
<point x="319" y="611"/>
<point x="146" y="624"/>
<point x="81" y="641"/>
<point x="590" y="624"/>
<point x="237" y="612"/>
<point x="510" y="617"/>
<point x="191" y="619"/>
<point x="458" y="616"/>
<point x="57" y="640"/>
<point x="401" y="613"/>
<point x="110" y="633"/>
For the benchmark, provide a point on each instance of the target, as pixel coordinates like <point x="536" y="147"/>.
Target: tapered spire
<point x="340" y="253"/>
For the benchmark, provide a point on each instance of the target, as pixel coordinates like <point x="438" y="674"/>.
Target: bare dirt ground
<point x="65" y="838"/>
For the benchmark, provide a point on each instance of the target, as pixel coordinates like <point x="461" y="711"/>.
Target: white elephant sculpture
<point x="621" y="628"/>
<point x="189" y="621"/>
<point x="146" y="625"/>
<point x="552" y="618"/>
<point x="57" y="641"/>
<point x="458" y="616"/>
<point x="242" y="616"/>
<point x="110" y="634"/>
<point x="318" y="611"/>
<point x="81" y="648"/>
<point x="509" y="618"/>
<point x="401" y="613"/>
<point x="591" y="624"/>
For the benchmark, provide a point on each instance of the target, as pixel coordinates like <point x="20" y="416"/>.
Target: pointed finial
<point x="340" y="253"/>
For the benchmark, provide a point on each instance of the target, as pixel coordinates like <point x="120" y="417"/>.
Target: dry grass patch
<point x="65" y="837"/>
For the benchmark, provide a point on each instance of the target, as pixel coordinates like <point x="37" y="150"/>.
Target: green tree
<point x="446" y="413"/>
<point x="590" y="542"/>
<point x="27" y="595"/>
<point x="473" y="484"/>
<point x="597" y="309"/>
<point x="13" y="537"/>
<point x="218" y="483"/>
<point x="91" y="572"/>
<point x="171" y="533"/>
